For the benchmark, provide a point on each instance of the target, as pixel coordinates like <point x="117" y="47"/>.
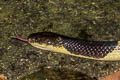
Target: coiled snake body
<point x="98" y="50"/>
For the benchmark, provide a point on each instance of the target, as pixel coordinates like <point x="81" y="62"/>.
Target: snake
<point x="89" y="49"/>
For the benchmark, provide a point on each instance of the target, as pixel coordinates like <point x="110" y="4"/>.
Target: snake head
<point x="44" y="39"/>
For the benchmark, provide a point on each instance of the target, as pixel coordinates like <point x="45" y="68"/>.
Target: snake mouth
<point x="41" y="47"/>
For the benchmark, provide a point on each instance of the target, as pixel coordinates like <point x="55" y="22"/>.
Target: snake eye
<point x="48" y="41"/>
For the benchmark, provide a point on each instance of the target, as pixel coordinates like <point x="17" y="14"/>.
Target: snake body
<point x="98" y="50"/>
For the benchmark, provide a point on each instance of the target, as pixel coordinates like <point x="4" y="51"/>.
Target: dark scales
<point x="96" y="49"/>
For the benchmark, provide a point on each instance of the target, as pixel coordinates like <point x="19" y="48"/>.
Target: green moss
<point x="5" y="11"/>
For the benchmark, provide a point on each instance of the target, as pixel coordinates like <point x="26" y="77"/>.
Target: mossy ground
<point x="90" y="19"/>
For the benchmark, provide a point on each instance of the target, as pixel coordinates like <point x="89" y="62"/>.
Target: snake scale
<point x="97" y="50"/>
